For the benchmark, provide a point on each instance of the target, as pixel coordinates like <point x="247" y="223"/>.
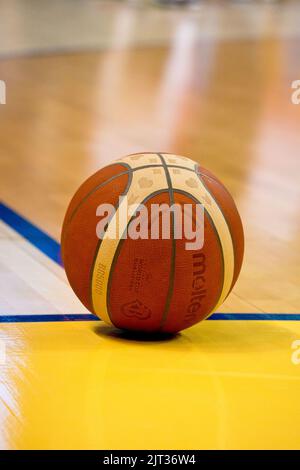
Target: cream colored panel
<point x="187" y="181"/>
<point x="141" y="159"/>
<point x="144" y="182"/>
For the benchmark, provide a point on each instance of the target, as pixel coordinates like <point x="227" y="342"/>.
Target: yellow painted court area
<point x="219" y="385"/>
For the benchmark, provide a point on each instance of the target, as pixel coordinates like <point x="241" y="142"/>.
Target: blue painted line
<point x="51" y="248"/>
<point x="256" y="316"/>
<point x="33" y="234"/>
<point x="47" y="318"/>
<point x="91" y="317"/>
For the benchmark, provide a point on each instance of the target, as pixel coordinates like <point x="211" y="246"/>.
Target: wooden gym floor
<point x="68" y="381"/>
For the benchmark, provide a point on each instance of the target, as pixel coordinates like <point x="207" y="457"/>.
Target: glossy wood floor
<point x="224" y="103"/>
<point x="227" y="105"/>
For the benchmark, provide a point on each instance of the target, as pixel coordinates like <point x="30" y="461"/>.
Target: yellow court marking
<point x="219" y="385"/>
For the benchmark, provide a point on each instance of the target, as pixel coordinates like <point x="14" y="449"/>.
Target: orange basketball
<point x="151" y="283"/>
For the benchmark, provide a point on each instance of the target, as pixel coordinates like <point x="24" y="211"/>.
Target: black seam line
<point x="213" y="197"/>
<point x="121" y="241"/>
<point x="222" y="259"/>
<point x="83" y="200"/>
<point x="97" y="251"/>
<point x="190" y="196"/>
<point x="101" y="185"/>
<point x="173" y="253"/>
<point x="127" y="172"/>
<point x="200" y="176"/>
<point x="109" y="180"/>
<point x="218" y="183"/>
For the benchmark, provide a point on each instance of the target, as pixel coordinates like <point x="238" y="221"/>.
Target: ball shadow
<point x="129" y="335"/>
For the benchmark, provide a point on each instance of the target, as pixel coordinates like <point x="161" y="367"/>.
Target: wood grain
<point x="226" y="104"/>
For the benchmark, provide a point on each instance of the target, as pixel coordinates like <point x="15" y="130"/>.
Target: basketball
<point x="144" y="282"/>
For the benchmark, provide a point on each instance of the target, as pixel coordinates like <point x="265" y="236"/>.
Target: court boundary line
<point x="47" y="318"/>
<point x="36" y="236"/>
<point x="51" y="248"/>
